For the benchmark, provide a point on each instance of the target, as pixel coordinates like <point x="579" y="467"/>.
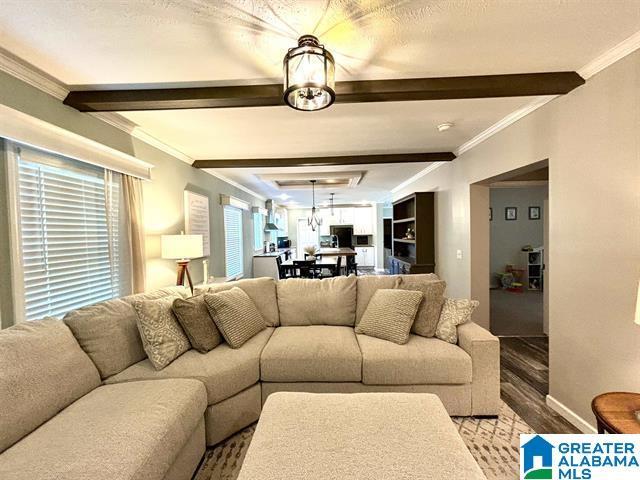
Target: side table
<point x="617" y="412"/>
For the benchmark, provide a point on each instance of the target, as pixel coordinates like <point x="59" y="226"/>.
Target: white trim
<point x="418" y="175"/>
<point x="569" y="415"/>
<point x="25" y="129"/>
<point x="15" y="247"/>
<point x="510" y="119"/>
<point x="611" y="56"/>
<point x="228" y="200"/>
<point x="235" y="184"/>
<point x="31" y="75"/>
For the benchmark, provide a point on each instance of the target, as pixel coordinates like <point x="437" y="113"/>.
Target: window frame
<point x="258" y="217"/>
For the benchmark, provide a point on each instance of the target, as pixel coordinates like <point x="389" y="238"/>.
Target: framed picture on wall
<point x="196" y="218"/>
<point x="510" y="213"/>
<point x="534" y="213"/>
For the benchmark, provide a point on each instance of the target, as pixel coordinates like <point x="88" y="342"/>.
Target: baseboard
<point x="569" y="415"/>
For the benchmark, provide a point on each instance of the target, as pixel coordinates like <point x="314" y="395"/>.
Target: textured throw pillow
<point x="367" y="285"/>
<point x="194" y="318"/>
<point x="429" y="312"/>
<point x="162" y="336"/>
<point x="390" y="314"/>
<point x="454" y="312"/>
<point x="235" y="314"/>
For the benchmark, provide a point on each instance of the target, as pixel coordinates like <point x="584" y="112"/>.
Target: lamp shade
<point x="179" y="247"/>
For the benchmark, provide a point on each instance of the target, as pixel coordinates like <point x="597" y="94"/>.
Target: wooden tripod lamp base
<point x="182" y="270"/>
<point x="181" y="248"/>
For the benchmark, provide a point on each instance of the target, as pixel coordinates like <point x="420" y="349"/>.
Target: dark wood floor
<point x="524" y="381"/>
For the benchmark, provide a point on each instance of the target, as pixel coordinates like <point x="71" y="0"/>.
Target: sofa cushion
<point x="261" y="290"/>
<point x="331" y="301"/>
<point x="132" y="431"/>
<point x="193" y="315"/>
<point x="390" y="314"/>
<point x="368" y="285"/>
<point x="42" y="370"/>
<point x="107" y="331"/>
<point x="162" y="336"/>
<point x="420" y="361"/>
<point x="433" y="298"/>
<point x="224" y="371"/>
<point x="235" y="315"/>
<point x="317" y="353"/>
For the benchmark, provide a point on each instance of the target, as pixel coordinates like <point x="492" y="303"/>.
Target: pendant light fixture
<point x="331" y="202"/>
<point x="314" y="221"/>
<point x="309" y="76"/>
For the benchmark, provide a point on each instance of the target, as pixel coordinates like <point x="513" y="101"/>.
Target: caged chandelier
<point x="309" y="76"/>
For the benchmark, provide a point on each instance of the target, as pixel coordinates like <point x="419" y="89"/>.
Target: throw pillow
<point x="368" y="285"/>
<point x="194" y="318"/>
<point x="390" y="314"/>
<point x="162" y="336"/>
<point x="454" y="312"/>
<point x="235" y="314"/>
<point x="429" y="312"/>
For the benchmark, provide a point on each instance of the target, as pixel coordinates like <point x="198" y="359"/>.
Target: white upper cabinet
<point x="363" y="221"/>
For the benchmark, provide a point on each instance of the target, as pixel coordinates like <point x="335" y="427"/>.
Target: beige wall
<point x="163" y="195"/>
<point x="592" y="140"/>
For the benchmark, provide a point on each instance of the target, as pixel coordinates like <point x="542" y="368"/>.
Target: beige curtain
<point x="132" y="192"/>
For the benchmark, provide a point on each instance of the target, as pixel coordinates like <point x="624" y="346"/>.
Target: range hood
<point x="270" y="225"/>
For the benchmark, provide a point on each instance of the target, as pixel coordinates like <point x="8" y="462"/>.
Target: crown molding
<point x="418" y="175"/>
<point x="510" y="119"/>
<point x="32" y="75"/>
<point x="611" y="56"/>
<point x="621" y="50"/>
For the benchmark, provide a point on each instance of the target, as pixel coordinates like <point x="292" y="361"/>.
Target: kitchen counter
<point x="277" y="253"/>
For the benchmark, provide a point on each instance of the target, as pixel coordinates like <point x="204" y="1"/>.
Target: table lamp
<point x="182" y="248"/>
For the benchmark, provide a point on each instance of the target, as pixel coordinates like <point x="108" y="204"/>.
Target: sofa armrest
<point x="484" y="350"/>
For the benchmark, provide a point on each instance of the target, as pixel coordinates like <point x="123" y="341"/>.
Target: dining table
<point x="336" y="252"/>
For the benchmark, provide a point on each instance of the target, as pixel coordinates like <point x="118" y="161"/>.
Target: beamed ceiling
<point x="159" y="44"/>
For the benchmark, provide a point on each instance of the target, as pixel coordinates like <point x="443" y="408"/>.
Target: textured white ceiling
<point x="149" y="41"/>
<point x="243" y="41"/>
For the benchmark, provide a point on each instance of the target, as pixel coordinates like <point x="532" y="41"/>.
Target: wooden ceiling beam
<point x="326" y="161"/>
<point x="361" y="91"/>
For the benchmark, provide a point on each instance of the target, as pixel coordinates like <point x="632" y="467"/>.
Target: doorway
<point x="516" y="309"/>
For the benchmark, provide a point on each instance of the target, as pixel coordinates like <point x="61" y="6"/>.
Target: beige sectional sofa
<point x="87" y="403"/>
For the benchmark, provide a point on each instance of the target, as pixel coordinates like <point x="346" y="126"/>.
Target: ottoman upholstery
<point x="316" y="353"/>
<point x="360" y="436"/>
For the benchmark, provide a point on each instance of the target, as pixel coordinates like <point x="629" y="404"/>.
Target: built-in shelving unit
<point x="413" y="243"/>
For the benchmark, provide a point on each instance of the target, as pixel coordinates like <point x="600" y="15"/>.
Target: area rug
<point x="494" y="443"/>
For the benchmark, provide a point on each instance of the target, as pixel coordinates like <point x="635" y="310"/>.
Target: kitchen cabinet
<point x="365" y="256"/>
<point x="344" y="216"/>
<point x="363" y="221"/>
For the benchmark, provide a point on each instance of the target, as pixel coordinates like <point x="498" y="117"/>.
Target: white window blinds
<point x="258" y="231"/>
<point x="68" y="226"/>
<point x="233" y="241"/>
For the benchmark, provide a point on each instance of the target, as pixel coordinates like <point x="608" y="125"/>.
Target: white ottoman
<point x="358" y="436"/>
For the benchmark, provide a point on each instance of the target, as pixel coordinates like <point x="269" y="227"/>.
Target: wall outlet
<point x="459" y="254"/>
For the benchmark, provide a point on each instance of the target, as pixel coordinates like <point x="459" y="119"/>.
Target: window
<point x="258" y="231"/>
<point x="233" y="242"/>
<point x="68" y="229"/>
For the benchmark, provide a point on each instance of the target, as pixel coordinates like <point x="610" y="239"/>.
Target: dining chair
<point x="352" y="266"/>
<point x="337" y="269"/>
<point x="283" y="272"/>
<point x="306" y="268"/>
